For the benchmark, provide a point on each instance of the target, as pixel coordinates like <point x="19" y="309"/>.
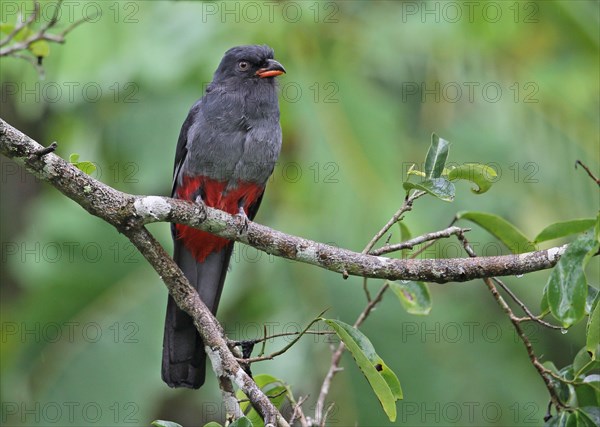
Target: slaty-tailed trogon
<point x="227" y="149"/>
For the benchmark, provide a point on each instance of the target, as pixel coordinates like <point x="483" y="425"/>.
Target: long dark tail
<point x="184" y="359"/>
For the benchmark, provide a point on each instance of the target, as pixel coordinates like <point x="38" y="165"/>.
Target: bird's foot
<point x="242" y="220"/>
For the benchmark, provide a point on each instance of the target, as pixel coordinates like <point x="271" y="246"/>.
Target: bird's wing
<point x="181" y="151"/>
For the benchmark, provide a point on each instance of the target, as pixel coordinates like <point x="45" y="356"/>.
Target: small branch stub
<point x="43" y="151"/>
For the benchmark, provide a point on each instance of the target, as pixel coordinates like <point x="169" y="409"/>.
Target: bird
<point x="226" y="151"/>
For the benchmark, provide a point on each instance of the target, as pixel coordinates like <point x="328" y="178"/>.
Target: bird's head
<point x="247" y="63"/>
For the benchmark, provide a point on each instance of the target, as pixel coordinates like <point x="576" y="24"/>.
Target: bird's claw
<point x="242" y="220"/>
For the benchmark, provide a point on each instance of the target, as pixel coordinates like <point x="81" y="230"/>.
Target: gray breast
<point x="235" y="138"/>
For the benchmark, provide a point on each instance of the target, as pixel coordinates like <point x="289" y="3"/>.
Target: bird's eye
<point x="243" y="65"/>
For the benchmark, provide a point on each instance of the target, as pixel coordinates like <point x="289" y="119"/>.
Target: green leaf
<point x="592" y="382"/>
<point x="86" y="166"/>
<point x="241" y="422"/>
<point x="414" y="296"/>
<point x="40" y="48"/>
<point x="567" y="285"/>
<point x="436" y="157"/>
<point x="382" y="379"/>
<point x="433" y="183"/>
<point x="564" y="419"/>
<point x="500" y="228"/>
<point x="567" y="373"/>
<point x="593" y="412"/>
<point x="263" y="380"/>
<point x="582" y="363"/>
<point x="277" y="395"/>
<point x="481" y="175"/>
<point x="563" y="229"/>
<point x="6" y="28"/>
<point x="544" y="307"/>
<point x="592" y="341"/>
<point x="404" y="232"/>
<point x="271" y="386"/>
<point x="438" y="187"/>
<point x="404" y="236"/>
<point x="593" y="379"/>
<point x="22" y="34"/>
<point x="592" y="299"/>
<point x="213" y="424"/>
<point x="161" y="423"/>
<point x="588" y="416"/>
<point x="586" y="395"/>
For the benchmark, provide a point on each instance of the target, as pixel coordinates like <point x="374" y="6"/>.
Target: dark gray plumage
<point x="227" y="149"/>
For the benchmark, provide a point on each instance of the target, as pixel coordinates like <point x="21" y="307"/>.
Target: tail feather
<point x="184" y="359"/>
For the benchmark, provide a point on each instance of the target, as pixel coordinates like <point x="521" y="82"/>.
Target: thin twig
<point x="33" y="61"/>
<point x="409" y="244"/>
<point x="337" y="356"/>
<point x="370" y="306"/>
<point x="327" y="412"/>
<point x="264" y="343"/>
<point x="284" y="349"/>
<point x="42" y="33"/>
<point x="39" y="36"/>
<point x="52" y="22"/>
<point x="366" y="289"/>
<point x="46" y="150"/>
<point x="530" y="315"/>
<point x="298" y="412"/>
<point x="406" y="206"/>
<point x="282" y="334"/>
<point x="542" y="371"/>
<point x="423" y="249"/>
<point x="587" y="169"/>
<point x="334" y="368"/>
<point x="24" y="23"/>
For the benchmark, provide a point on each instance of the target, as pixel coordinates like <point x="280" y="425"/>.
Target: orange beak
<point x="272" y="69"/>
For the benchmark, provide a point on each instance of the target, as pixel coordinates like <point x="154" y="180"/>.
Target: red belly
<point x="201" y="243"/>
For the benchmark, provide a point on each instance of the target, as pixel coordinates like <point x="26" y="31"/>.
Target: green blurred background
<point x="510" y="84"/>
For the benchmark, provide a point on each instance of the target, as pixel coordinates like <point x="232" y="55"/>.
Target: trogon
<point x="227" y="149"/>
